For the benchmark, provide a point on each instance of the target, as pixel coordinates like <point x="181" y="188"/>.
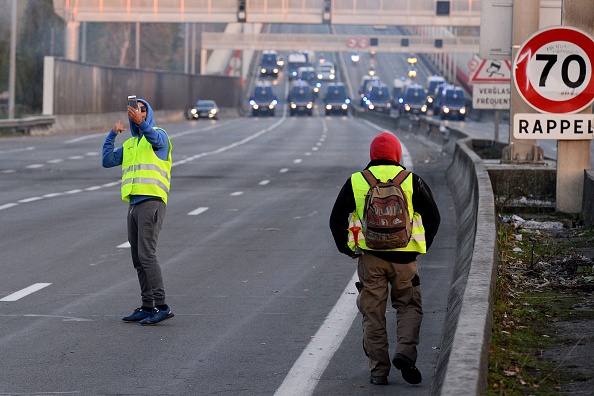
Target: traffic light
<point x="241" y="11"/>
<point x="327" y="11"/>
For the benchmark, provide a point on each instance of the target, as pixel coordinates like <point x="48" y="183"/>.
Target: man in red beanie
<point x="387" y="272"/>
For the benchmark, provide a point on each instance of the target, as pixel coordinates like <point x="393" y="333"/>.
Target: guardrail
<point x="25" y="124"/>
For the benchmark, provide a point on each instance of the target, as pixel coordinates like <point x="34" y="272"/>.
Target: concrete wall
<point x="82" y="95"/>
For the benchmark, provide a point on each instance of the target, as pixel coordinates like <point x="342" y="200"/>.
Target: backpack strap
<point x="400" y="177"/>
<point x="373" y="181"/>
<point x="370" y="178"/>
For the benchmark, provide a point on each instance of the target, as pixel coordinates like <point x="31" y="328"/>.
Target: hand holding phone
<point x="132" y="102"/>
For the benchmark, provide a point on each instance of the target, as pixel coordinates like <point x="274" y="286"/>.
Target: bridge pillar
<point x="573" y="156"/>
<point x="525" y="22"/>
<point x="72" y="40"/>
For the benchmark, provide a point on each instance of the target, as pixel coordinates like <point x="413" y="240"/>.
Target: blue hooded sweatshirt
<point x="156" y="137"/>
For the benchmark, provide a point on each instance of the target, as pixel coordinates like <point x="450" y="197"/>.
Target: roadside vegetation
<point x="543" y="330"/>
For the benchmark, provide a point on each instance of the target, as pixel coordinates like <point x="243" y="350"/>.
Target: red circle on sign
<point x="352" y="42"/>
<point x="363" y="42"/>
<point x="529" y="50"/>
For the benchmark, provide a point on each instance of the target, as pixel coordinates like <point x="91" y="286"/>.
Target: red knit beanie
<point x="385" y="146"/>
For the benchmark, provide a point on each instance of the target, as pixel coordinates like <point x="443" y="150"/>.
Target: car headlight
<point x="463" y="110"/>
<point x="293" y="105"/>
<point x="345" y="106"/>
<point x="275" y="70"/>
<point x="263" y="71"/>
<point x="213" y="111"/>
<point x="320" y="76"/>
<point x="388" y="105"/>
<point x="193" y="111"/>
<point x="271" y="106"/>
<point x="424" y="108"/>
<point x="406" y="107"/>
<point x="370" y="105"/>
<point x="445" y="110"/>
<point x="429" y="100"/>
<point x="328" y="107"/>
<point x="255" y="106"/>
<point x="309" y="105"/>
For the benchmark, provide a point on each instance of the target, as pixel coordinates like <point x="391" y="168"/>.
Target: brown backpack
<point x="386" y="221"/>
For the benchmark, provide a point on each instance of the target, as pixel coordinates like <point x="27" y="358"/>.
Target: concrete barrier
<point x="462" y="367"/>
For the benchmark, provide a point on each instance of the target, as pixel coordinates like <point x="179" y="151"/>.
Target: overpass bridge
<point x="352" y="12"/>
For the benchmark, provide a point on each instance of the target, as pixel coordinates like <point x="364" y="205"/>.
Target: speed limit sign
<point x="552" y="70"/>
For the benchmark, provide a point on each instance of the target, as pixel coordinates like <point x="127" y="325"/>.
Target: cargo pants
<point x="381" y="278"/>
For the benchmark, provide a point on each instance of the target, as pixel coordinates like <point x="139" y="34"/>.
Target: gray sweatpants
<point x="144" y="223"/>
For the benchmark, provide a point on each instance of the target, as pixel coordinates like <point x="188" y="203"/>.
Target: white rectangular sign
<point x="554" y="126"/>
<point x="491" y="96"/>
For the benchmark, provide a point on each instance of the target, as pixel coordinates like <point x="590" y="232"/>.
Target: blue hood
<point x="149" y="119"/>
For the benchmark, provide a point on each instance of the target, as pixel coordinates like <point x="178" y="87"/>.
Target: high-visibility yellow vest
<point x="143" y="173"/>
<point x="360" y="187"/>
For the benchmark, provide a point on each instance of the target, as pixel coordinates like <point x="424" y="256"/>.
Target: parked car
<point x="301" y="98"/>
<point x="453" y="103"/>
<point x="336" y="100"/>
<point x="414" y="100"/>
<point x="264" y="100"/>
<point x="203" y="109"/>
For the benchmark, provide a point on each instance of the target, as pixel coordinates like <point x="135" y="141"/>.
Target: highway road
<point x="263" y="302"/>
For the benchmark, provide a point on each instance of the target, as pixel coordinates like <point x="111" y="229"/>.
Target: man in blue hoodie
<point x="146" y="175"/>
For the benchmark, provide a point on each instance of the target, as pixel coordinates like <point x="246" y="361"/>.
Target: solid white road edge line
<point x="305" y="373"/>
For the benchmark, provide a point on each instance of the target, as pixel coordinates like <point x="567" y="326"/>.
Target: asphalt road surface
<point x="263" y="302"/>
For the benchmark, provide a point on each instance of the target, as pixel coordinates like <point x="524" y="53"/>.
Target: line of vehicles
<point x="440" y="97"/>
<point x="308" y="76"/>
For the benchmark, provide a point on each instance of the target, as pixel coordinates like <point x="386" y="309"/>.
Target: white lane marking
<point x="55" y="161"/>
<point x="264" y="182"/>
<point x="25" y="292"/>
<point x="196" y="212"/>
<point x="236" y="193"/>
<point x="64" y="319"/>
<point x="307" y="370"/>
<point x="297" y="161"/>
<point x="124" y="245"/>
<point x="78" y="139"/>
<point x="8" y="205"/>
<point x="306" y="154"/>
<point x="314" y="148"/>
<point x="35" y="166"/>
<point x="9" y="171"/>
<point x="32" y="199"/>
<point x="283" y="170"/>
<point x="232" y="145"/>
<point x="117" y="183"/>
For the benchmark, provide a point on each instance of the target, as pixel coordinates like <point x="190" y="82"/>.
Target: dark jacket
<point x="422" y="201"/>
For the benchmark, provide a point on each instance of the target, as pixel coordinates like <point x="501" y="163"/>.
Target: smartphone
<point x="132" y="101"/>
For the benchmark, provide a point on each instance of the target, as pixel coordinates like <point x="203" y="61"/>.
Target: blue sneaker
<point x="158" y="315"/>
<point x="137" y="315"/>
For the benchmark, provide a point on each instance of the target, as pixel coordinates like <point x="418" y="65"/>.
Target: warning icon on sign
<point x="490" y="71"/>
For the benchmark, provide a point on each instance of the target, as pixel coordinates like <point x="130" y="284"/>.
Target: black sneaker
<point x="410" y="372"/>
<point x="379" y="380"/>
<point x="137" y="315"/>
<point x="158" y="315"/>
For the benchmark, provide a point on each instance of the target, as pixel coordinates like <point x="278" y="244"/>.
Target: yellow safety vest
<point x="143" y="173"/>
<point x="360" y="187"/>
